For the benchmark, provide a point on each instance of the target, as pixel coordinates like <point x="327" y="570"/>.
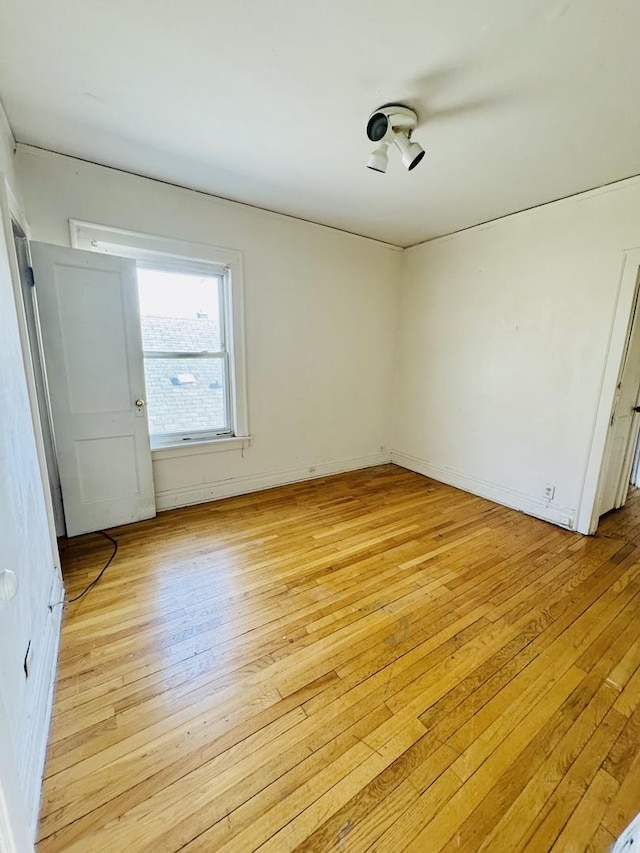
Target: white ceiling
<point x="266" y="101"/>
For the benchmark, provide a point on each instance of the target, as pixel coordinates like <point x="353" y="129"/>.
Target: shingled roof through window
<point x="175" y="406"/>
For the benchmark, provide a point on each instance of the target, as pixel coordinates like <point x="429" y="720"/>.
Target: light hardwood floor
<point x="372" y="661"/>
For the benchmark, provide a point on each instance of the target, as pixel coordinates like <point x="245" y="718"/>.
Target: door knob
<point x="139" y="403"/>
<point x="636" y="408"/>
<point x="8" y="584"/>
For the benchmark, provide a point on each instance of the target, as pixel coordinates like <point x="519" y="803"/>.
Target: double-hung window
<point x="190" y="299"/>
<point x="183" y="319"/>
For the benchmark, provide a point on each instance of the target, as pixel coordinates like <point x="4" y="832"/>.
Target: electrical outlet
<point x="549" y="492"/>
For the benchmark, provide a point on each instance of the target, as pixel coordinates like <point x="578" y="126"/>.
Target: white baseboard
<point x="41" y="687"/>
<point x="172" y="498"/>
<point x="538" y="507"/>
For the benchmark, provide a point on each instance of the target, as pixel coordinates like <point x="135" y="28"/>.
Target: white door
<point x="89" y="317"/>
<point x="625" y="423"/>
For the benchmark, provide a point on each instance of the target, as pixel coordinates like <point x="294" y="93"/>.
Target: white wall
<point x="503" y="336"/>
<point x="7" y="160"/>
<point x="501" y="346"/>
<point x="320" y="322"/>
<point x="26" y="544"/>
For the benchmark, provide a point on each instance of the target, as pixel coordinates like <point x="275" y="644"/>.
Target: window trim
<point x="155" y="251"/>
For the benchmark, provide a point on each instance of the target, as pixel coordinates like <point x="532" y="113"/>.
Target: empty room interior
<point x="319" y="426"/>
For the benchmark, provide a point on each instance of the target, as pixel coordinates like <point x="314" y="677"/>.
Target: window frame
<point x="195" y="436"/>
<point x="168" y="254"/>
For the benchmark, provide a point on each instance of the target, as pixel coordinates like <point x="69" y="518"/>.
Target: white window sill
<point x="194" y="448"/>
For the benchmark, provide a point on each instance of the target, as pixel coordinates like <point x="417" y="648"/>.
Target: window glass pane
<point x="185" y="394"/>
<point x="179" y="312"/>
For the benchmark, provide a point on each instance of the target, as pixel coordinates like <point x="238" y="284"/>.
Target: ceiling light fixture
<point x="393" y="124"/>
<point x="379" y="158"/>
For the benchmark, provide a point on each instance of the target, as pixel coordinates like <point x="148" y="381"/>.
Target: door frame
<point x="635" y="468"/>
<point x="12" y="211"/>
<point x="14" y="812"/>
<point x="619" y="334"/>
<point x="14" y="820"/>
<point x="23" y="257"/>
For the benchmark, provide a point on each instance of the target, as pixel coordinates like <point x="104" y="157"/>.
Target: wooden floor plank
<point x="371" y="661"/>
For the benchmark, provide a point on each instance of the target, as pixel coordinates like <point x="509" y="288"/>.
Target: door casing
<point x="620" y="328"/>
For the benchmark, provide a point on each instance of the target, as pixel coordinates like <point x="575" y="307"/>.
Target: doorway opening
<point x="619" y="465"/>
<point x="37" y="360"/>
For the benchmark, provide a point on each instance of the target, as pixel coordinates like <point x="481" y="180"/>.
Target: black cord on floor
<point x="97" y="578"/>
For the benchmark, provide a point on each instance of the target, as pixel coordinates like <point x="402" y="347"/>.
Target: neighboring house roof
<point x="181" y="334"/>
<point x="183" y="394"/>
